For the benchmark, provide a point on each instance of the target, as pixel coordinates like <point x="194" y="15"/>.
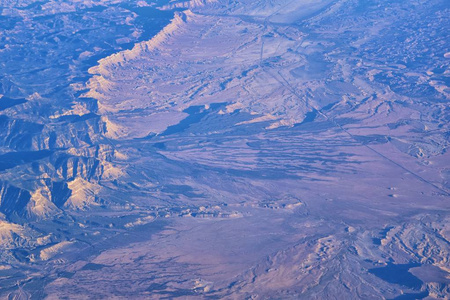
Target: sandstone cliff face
<point x="101" y="84"/>
<point x="187" y="4"/>
<point x="13" y="201"/>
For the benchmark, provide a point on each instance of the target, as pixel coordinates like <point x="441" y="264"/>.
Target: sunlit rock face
<point x="224" y="149"/>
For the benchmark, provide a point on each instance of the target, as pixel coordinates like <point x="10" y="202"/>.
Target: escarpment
<point x="187" y="4"/>
<point x="106" y="65"/>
